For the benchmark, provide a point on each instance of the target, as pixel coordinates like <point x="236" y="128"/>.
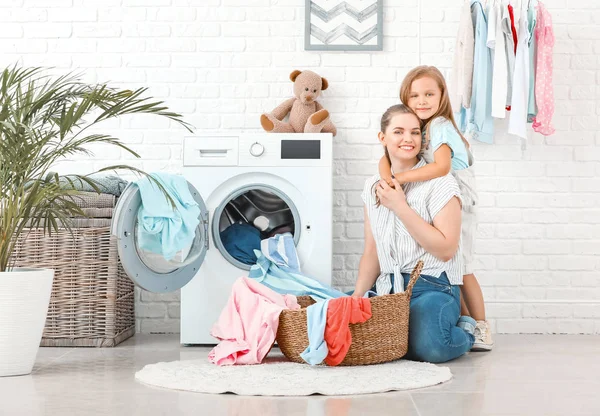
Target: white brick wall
<point x="223" y="62"/>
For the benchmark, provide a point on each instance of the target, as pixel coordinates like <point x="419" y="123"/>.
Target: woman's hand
<point x="389" y="197"/>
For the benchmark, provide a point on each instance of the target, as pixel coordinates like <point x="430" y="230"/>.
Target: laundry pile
<point x="329" y="336"/>
<point x="278" y="267"/>
<point x="248" y="324"/>
<point x="247" y="219"/>
<point x="503" y="62"/>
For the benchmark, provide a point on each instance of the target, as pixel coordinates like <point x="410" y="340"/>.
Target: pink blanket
<point x="248" y="324"/>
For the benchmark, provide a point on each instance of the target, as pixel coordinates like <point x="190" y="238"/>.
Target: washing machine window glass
<point x="148" y="270"/>
<point x="247" y="216"/>
<point x="157" y="262"/>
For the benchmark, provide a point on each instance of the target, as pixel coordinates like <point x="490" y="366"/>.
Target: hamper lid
<point x="152" y="271"/>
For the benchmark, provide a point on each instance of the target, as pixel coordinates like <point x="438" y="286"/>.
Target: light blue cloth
<point x="441" y="131"/>
<point x="163" y="229"/>
<point x="532" y="19"/>
<point x="286" y="280"/>
<point x="281" y="250"/>
<point x="477" y="121"/>
<point x="316" y="319"/>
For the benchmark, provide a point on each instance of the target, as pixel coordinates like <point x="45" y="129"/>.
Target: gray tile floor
<point x="524" y="375"/>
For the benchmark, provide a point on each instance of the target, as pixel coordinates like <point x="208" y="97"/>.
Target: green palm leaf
<point x="43" y="121"/>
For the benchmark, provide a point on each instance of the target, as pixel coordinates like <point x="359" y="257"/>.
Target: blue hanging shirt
<point x="477" y="121"/>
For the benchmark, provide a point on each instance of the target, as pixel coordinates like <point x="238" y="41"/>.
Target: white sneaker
<point x="483" y="337"/>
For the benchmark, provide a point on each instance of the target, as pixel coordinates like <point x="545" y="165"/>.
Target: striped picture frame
<point x="343" y="25"/>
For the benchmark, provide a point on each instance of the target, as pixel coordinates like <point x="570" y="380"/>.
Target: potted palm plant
<point x="44" y="120"/>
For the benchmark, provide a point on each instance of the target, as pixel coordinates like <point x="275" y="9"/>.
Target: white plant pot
<point x="24" y="298"/>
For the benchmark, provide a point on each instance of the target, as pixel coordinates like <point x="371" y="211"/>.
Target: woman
<point x="420" y="222"/>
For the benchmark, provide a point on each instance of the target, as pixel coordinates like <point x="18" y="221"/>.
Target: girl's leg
<point x="474" y="302"/>
<point x="464" y="311"/>
<point x="473" y="298"/>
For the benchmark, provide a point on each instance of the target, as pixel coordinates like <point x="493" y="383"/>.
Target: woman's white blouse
<point x="397" y="250"/>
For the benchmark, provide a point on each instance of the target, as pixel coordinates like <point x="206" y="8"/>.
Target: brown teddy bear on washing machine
<point x="306" y="115"/>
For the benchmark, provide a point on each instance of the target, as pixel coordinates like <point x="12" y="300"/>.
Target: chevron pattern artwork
<point x="344" y="25"/>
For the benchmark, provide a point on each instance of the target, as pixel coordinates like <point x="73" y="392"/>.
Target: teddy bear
<point x="306" y="115"/>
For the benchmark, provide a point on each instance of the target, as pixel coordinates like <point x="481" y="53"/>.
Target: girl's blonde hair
<point x="386" y="118"/>
<point x="445" y="108"/>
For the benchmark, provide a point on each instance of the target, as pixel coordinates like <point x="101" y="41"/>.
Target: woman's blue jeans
<point x="434" y="312"/>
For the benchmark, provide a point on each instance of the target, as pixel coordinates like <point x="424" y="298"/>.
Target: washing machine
<point x="275" y="183"/>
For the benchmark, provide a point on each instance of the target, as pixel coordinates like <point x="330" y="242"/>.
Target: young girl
<point x="424" y="91"/>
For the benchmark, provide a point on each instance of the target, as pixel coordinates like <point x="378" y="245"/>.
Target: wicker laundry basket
<point x="383" y="338"/>
<point x="92" y="301"/>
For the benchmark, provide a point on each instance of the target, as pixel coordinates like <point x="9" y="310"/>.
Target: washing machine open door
<point x="151" y="271"/>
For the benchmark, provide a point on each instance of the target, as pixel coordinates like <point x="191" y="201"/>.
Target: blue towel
<point x="240" y="240"/>
<point x="281" y="250"/>
<point x="163" y="229"/>
<point x="285" y="280"/>
<point x="316" y="319"/>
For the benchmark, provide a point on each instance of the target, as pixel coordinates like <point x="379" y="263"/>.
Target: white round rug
<point x="283" y="378"/>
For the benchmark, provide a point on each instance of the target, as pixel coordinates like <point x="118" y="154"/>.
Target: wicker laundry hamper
<point x="92" y="301"/>
<point x="383" y="338"/>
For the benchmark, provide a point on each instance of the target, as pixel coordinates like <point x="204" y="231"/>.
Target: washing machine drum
<point x="149" y="270"/>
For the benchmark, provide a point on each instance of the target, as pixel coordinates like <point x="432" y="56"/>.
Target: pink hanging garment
<point x="544" y="93"/>
<point x="248" y="324"/>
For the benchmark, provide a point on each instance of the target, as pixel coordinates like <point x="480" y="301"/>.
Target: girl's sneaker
<point x="483" y="337"/>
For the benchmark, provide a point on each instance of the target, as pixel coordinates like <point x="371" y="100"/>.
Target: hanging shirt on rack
<point x="461" y="79"/>
<point x="491" y="20"/>
<point x="497" y="43"/>
<point x="532" y="21"/>
<point x="477" y="122"/>
<point x="544" y="93"/>
<point x="513" y="27"/>
<point x="517" y="124"/>
<point x="516" y="5"/>
<point x="509" y="47"/>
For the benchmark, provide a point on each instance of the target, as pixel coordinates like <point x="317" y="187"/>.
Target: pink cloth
<point x="544" y="93"/>
<point x="248" y="324"/>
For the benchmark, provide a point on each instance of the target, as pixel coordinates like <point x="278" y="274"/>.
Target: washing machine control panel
<point x="285" y="150"/>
